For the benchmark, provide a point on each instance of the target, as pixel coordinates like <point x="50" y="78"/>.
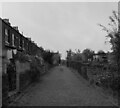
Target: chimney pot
<point x="7" y="21"/>
<point x="16" y="28"/>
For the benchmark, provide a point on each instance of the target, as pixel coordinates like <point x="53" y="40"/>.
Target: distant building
<point x="100" y="57"/>
<point x="105" y="57"/>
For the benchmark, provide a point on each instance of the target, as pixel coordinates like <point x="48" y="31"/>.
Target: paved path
<point x="61" y="87"/>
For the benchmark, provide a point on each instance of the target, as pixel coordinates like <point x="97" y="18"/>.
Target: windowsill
<point x="21" y="47"/>
<point x="6" y="43"/>
<point x="14" y="46"/>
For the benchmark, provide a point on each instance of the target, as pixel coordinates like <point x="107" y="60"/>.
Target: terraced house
<point x="14" y="48"/>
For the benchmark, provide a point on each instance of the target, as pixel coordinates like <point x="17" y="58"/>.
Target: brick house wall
<point x="0" y="48"/>
<point x="0" y="63"/>
<point x="20" y="44"/>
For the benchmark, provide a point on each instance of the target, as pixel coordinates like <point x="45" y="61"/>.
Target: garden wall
<point x="28" y="70"/>
<point x="22" y="77"/>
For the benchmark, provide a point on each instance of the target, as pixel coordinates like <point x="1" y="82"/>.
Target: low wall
<point x="22" y="77"/>
<point x="28" y="72"/>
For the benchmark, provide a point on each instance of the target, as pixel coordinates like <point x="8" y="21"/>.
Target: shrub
<point x="115" y="84"/>
<point x="34" y="72"/>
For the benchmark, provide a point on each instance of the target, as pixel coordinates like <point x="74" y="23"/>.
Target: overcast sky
<point x="62" y="26"/>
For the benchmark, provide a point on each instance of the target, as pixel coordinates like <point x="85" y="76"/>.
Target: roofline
<point x="13" y="28"/>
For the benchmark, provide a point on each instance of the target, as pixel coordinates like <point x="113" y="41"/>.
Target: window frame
<point x="13" y="40"/>
<point x="20" y="41"/>
<point x="6" y="36"/>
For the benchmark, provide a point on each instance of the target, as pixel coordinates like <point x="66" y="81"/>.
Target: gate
<point x="11" y="73"/>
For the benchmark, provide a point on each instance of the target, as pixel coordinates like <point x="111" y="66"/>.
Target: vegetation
<point x="113" y="35"/>
<point x="104" y="70"/>
<point x="47" y="56"/>
<point x="114" y="39"/>
<point x="88" y="53"/>
<point x="85" y="56"/>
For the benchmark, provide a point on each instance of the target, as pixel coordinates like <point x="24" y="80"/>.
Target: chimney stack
<point x="16" y="28"/>
<point x="7" y="21"/>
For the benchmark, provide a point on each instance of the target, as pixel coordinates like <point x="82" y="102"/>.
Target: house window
<point x="13" y="40"/>
<point x="9" y="40"/>
<point x="21" y="42"/>
<point x="6" y="36"/>
<point x="27" y="46"/>
<point x="16" y="41"/>
<point x="6" y="32"/>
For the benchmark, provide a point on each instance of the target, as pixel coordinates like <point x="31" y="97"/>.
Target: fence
<point x="80" y="67"/>
<point x="100" y="76"/>
<point x="98" y="73"/>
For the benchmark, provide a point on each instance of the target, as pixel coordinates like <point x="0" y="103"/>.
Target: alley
<point x="61" y="87"/>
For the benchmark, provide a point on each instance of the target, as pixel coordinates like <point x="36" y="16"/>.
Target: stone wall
<point x="21" y="74"/>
